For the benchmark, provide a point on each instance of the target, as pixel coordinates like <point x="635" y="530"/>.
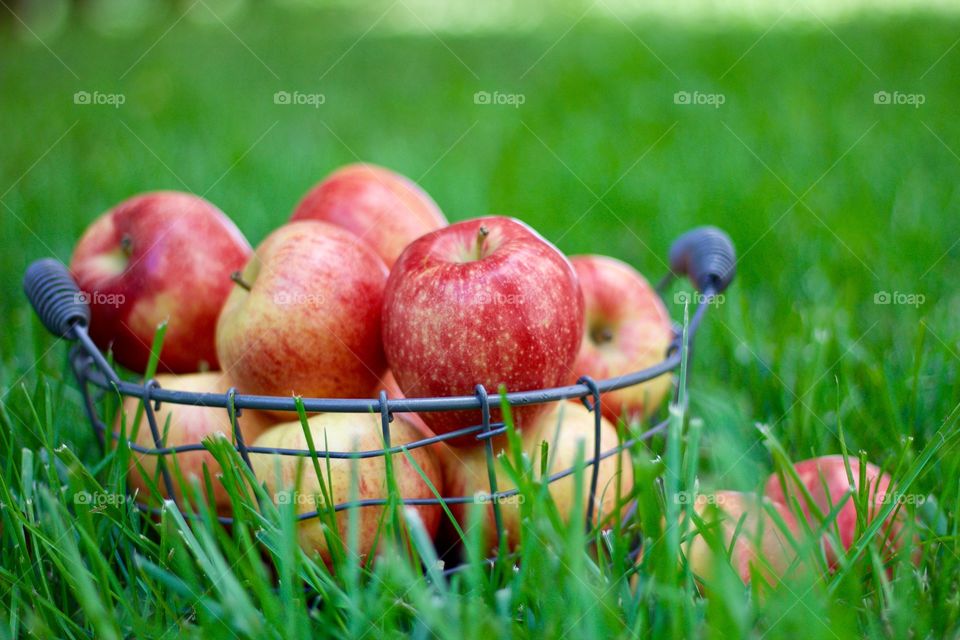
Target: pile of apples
<point x="366" y="288"/>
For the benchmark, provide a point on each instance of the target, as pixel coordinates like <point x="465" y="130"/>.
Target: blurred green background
<point x="833" y="193"/>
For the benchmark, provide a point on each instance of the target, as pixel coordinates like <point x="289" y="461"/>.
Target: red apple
<point x="626" y="329"/>
<point x="304" y="316"/>
<point x="485" y="301"/>
<point x="188" y="424"/>
<point x="155" y="257"/>
<point x="825" y="478"/>
<point x="384" y="208"/>
<point x="346" y="432"/>
<point x="564" y="426"/>
<point x="761" y="546"/>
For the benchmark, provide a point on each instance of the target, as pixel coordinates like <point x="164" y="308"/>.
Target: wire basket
<point x="704" y="255"/>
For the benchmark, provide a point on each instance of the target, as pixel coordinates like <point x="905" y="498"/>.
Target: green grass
<point x="829" y="198"/>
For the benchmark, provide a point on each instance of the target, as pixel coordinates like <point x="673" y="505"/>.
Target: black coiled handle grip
<point x="706" y="256"/>
<point x="56" y="297"/>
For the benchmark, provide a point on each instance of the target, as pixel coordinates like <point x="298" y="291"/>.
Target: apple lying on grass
<point x="485" y="301"/>
<point x="304" y="316"/>
<point x="736" y="529"/>
<point x="162" y="256"/>
<point x="626" y="329"/>
<point x="565" y="427"/>
<point x="346" y="479"/>
<point x="825" y="479"/>
<point x="383" y="208"/>
<point x="185" y="425"/>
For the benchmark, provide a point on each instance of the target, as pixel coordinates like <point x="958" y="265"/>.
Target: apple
<point x="384" y="208"/>
<point x="564" y="426"/>
<point x="304" y="316"/>
<point x="485" y="301"/>
<point x="626" y="329"/>
<point x="154" y="257"/>
<point x="188" y="424"/>
<point x="343" y="432"/>
<point x="825" y="478"/>
<point x="762" y="547"/>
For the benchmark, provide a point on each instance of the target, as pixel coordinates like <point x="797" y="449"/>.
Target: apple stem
<point x="237" y="277"/>
<point x="126" y="245"/>
<point x="481" y="239"/>
<point x="602" y="335"/>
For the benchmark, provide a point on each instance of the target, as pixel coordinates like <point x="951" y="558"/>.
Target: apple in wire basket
<point x="383" y="208"/>
<point x="162" y="256"/>
<point x="295" y="479"/>
<point x="626" y="329"/>
<point x="564" y="426"/>
<point x="304" y="316"/>
<point x="179" y="425"/>
<point x="486" y="301"/>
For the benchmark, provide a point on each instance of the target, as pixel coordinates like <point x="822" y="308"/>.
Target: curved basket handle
<point x="706" y="256"/>
<point x="56" y="297"/>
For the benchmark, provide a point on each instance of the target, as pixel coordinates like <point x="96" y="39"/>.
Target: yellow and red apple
<point x="825" y="479"/>
<point x="181" y="425"/>
<point x="304" y="316"/>
<point x="163" y="256"/>
<point x="626" y="329"/>
<point x="384" y="208"/>
<point x="294" y="478"/>
<point x="565" y="426"/>
<point x="737" y="528"/>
